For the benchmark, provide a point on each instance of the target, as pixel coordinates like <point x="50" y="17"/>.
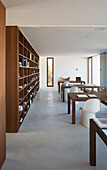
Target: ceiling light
<point x="100" y="29"/>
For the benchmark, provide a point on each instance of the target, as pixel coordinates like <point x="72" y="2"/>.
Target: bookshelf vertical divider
<point x="22" y="77"/>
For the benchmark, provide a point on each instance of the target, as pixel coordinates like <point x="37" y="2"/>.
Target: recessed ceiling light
<point x="100" y="29"/>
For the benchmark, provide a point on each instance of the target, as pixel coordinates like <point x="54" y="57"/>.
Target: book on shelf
<point x="31" y="87"/>
<point x="20" y="108"/>
<point x="20" y="87"/>
<point x="20" y="62"/>
<point x="25" y="112"/>
<point x="25" y="103"/>
<point x="30" y="56"/>
<point x="20" y="120"/>
<point x="101" y="122"/>
<point x="25" y="85"/>
<point x="25" y="62"/>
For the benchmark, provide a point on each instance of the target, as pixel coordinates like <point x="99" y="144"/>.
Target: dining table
<point x="102" y="133"/>
<point x="82" y="87"/>
<point x="80" y="97"/>
<point x="71" y="81"/>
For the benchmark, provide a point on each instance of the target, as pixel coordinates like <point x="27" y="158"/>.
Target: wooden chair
<point x="65" y="79"/>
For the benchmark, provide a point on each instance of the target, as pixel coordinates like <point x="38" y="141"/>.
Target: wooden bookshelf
<point x="22" y="77"/>
<point x="2" y="84"/>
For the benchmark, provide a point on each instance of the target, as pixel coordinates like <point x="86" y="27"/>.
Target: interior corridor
<point x="48" y="141"/>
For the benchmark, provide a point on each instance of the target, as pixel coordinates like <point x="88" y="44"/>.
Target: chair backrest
<point x="66" y="83"/>
<point x="92" y="105"/>
<point x="78" y="78"/>
<point x="74" y="89"/>
<point x="65" y="79"/>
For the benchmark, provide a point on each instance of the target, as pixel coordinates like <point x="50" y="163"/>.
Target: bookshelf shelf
<point x="23" y="67"/>
<point x="27" y="76"/>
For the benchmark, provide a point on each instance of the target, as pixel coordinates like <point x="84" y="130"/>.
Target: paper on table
<point x="92" y="95"/>
<point x="82" y="95"/>
<point x="101" y="122"/>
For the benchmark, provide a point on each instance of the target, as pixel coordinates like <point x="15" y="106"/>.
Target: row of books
<point x="24" y="62"/>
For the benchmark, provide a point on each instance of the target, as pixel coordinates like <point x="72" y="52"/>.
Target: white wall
<point x="64" y="67"/>
<point x="43" y="72"/>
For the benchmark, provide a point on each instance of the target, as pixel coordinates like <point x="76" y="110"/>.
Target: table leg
<point x="63" y="95"/>
<point x="98" y="89"/>
<point x="68" y="104"/>
<point x="73" y="112"/>
<point x="61" y="91"/>
<point x="59" y="87"/>
<point x="92" y="145"/>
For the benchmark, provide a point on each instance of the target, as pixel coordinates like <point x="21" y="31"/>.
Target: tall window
<point x="94" y="70"/>
<point x="50" y="72"/>
<point x="90" y="78"/>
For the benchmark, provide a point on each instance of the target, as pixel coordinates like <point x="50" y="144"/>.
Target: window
<point x="90" y="70"/>
<point x="50" y="72"/>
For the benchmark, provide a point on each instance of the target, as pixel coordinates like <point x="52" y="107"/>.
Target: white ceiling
<point x="69" y="42"/>
<point x="45" y="22"/>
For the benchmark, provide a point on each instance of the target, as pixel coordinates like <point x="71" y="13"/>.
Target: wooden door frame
<point x="91" y="70"/>
<point x="52" y="71"/>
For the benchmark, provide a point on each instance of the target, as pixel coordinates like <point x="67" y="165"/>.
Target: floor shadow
<point x="61" y="114"/>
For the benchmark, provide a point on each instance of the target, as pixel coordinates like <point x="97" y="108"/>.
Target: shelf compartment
<point x="21" y="48"/>
<point x="21" y="37"/>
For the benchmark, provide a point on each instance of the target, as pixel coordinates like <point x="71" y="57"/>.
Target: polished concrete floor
<point x="48" y="141"/>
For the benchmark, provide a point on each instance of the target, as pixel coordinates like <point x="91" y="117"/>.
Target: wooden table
<point x="94" y="128"/>
<point x="76" y="82"/>
<point x="74" y="98"/>
<point x="82" y="87"/>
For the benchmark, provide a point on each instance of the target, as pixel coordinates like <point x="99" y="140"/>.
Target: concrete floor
<point x="48" y="141"/>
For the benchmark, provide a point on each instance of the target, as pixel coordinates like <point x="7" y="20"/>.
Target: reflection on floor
<point x="48" y="141"/>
